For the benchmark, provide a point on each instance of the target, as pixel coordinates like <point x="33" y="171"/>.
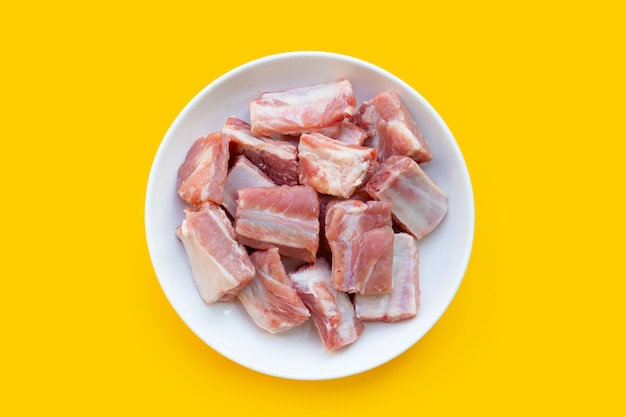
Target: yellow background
<point x="534" y="93"/>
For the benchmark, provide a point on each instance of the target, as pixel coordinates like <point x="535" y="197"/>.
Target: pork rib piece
<point x="302" y="109"/>
<point x="351" y="134"/>
<point x="331" y="310"/>
<point x="404" y="299"/>
<point x="360" y="236"/>
<point x="285" y="217"/>
<point x="220" y="266"/>
<point x="391" y="128"/>
<point x="276" y="158"/>
<point x="202" y="175"/>
<point x="333" y="167"/>
<point x="270" y="299"/>
<point x="418" y="203"/>
<point x="242" y="174"/>
<point x="332" y="131"/>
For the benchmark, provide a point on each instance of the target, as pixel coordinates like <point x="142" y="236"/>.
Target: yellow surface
<point x="534" y="92"/>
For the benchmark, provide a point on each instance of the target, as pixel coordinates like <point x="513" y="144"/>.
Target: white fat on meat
<point x="403" y="301"/>
<point x="286" y="217"/>
<point x="418" y="203"/>
<point x="350" y="134"/>
<point x="333" y="167"/>
<point x="302" y="109"/>
<point x="220" y="266"/>
<point x="331" y="310"/>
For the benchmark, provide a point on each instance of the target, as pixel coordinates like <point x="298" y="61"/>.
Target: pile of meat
<point x="313" y="209"/>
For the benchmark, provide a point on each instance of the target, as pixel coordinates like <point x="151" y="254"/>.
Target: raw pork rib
<point x="333" y="167"/>
<point x="332" y="131"/>
<point x="302" y="109"/>
<point x="285" y="217"/>
<point x="277" y="158"/>
<point x="392" y="129"/>
<point x="219" y="265"/>
<point x="243" y="174"/>
<point x="403" y="301"/>
<point x="418" y="203"/>
<point x="360" y="236"/>
<point x="351" y="134"/>
<point x="331" y="310"/>
<point x="270" y="299"/>
<point x="202" y="175"/>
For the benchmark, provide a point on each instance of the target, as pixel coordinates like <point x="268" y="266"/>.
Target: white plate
<point x="298" y="353"/>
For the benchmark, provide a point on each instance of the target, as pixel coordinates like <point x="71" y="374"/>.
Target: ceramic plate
<point x="299" y="353"/>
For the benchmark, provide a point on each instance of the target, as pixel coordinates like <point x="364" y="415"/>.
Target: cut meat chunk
<point x="219" y="265"/>
<point x="302" y="109"/>
<point x="243" y="174"/>
<point x="418" y="203"/>
<point x="278" y="159"/>
<point x="351" y="134"/>
<point x="202" y="175"/>
<point x="393" y="131"/>
<point x="325" y="200"/>
<point x="285" y="217"/>
<point x="366" y="118"/>
<point x="332" y="131"/>
<point x="404" y="299"/>
<point x="333" y="167"/>
<point x="270" y="299"/>
<point x="360" y="236"/>
<point x="331" y="310"/>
